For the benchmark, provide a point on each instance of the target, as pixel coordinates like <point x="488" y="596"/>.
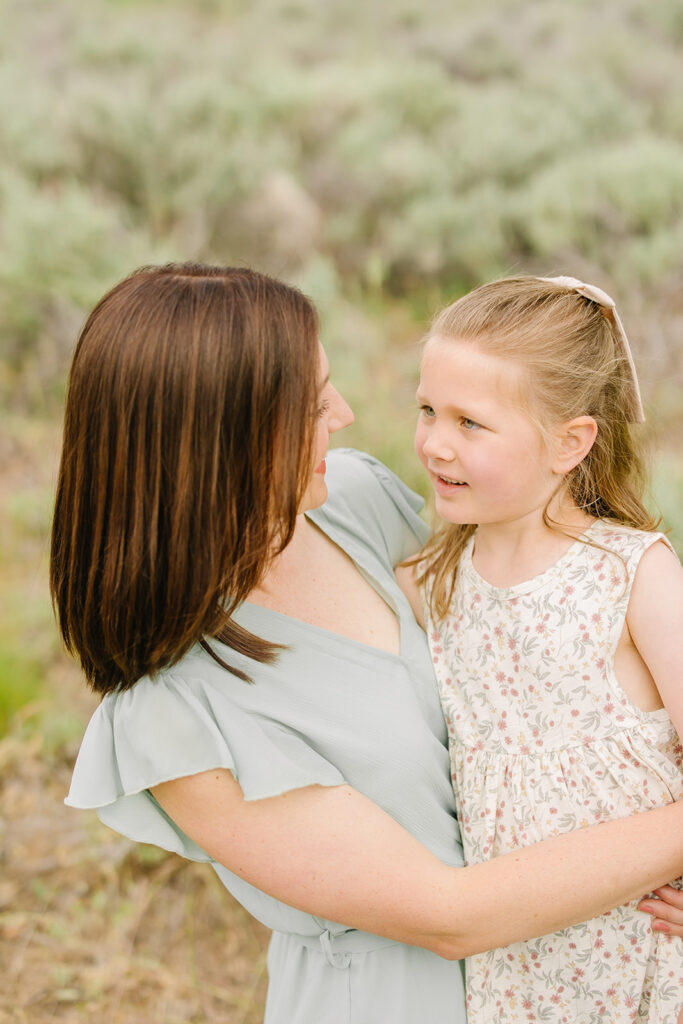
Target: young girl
<point x="555" y="621"/>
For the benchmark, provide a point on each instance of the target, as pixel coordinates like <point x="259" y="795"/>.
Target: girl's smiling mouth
<point x="447" y="485"/>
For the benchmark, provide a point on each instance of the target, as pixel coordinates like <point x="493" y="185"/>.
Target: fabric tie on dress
<point x="338" y="960"/>
<point x="594" y="294"/>
<point x="340" y="948"/>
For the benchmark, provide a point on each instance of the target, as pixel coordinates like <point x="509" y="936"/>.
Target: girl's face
<point x="333" y="414"/>
<point x="487" y="460"/>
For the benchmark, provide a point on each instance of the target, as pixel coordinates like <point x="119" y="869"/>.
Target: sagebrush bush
<point x="600" y="204"/>
<point x="61" y="246"/>
<point x="395" y="151"/>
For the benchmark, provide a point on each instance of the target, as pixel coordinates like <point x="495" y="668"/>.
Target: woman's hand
<point x="667" y="910"/>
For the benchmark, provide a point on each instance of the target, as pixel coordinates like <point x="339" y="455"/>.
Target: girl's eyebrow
<point x="323" y="383"/>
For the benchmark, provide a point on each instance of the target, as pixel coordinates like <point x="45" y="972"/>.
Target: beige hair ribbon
<point x="589" y="291"/>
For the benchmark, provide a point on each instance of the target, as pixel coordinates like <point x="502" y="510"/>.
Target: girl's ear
<point x="574" y="439"/>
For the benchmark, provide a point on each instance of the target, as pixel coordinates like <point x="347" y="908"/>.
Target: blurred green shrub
<point x="61" y="246"/>
<point x="626" y="193"/>
<point x="409" y="151"/>
<point x="384" y="156"/>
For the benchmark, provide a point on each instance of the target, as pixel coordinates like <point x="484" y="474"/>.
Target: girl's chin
<point x="451" y="508"/>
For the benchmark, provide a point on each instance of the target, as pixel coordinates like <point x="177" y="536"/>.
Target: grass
<point x="93" y="927"/>
<point x="21" y="683"/>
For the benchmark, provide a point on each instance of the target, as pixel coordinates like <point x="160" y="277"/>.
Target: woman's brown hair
<point x="187" y="448"/>
<point x="574" y="364"/>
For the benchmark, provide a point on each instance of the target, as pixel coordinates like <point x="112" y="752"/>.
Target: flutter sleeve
<point x="173" y="726"/>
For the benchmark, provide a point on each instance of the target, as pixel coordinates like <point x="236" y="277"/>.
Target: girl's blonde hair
<point x="574" y="364"/>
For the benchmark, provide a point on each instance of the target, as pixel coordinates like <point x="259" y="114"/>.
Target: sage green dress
<point x="329" y="711"/>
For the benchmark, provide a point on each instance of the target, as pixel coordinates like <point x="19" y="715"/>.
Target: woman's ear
<point x="574" y="439"/>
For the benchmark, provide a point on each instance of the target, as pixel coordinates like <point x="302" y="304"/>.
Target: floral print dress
<point x="544" y="740"/>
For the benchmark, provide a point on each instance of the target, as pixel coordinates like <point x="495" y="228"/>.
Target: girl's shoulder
<point x="626" y="541"/>
<point x="625" y="548"/>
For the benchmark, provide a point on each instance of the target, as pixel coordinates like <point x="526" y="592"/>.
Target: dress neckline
<point x="530" y="585"/>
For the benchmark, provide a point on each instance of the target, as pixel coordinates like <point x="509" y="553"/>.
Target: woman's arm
<point x="333" y="853"/>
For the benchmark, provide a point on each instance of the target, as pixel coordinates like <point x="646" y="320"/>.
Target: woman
<point x="269" y="701"/>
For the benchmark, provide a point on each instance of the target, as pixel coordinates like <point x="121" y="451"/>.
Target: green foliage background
<point x="384" y="156"/>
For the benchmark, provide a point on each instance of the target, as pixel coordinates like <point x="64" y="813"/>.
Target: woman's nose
<point x="341" y="414"/>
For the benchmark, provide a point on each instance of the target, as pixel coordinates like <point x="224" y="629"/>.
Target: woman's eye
<point x="469" y="424"/>
<point x="427" y="410"/>
<point x="323" y="407"/>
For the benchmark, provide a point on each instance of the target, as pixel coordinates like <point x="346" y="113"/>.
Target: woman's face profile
<point x="332" y="414"/>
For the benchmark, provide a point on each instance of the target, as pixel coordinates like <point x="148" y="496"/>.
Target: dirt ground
<point x="96" y="928"/>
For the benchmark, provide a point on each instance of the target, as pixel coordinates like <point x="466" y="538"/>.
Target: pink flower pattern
<point x="543" y="740"/>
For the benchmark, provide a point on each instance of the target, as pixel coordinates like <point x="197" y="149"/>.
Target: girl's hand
<point x="667" y="911"/>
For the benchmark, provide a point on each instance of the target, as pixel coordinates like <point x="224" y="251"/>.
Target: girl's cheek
<point x="419" y="442"/>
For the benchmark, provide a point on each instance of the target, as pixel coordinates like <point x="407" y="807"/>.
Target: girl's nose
<point x="437" y="445"/>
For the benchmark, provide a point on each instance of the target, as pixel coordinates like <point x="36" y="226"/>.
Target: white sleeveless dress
<point x="543" y="740"/>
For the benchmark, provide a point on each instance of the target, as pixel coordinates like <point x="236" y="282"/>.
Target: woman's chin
<point x="315" y="494"/>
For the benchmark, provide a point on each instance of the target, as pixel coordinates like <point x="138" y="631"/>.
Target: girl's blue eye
<point x="469" y="424"/>
<point x="323" y="408"/>
<point x="427" y="410"/>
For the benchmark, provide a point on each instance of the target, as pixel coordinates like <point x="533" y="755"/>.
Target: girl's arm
<point x="655" y="622"/>
<point x="333" y="853"/>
